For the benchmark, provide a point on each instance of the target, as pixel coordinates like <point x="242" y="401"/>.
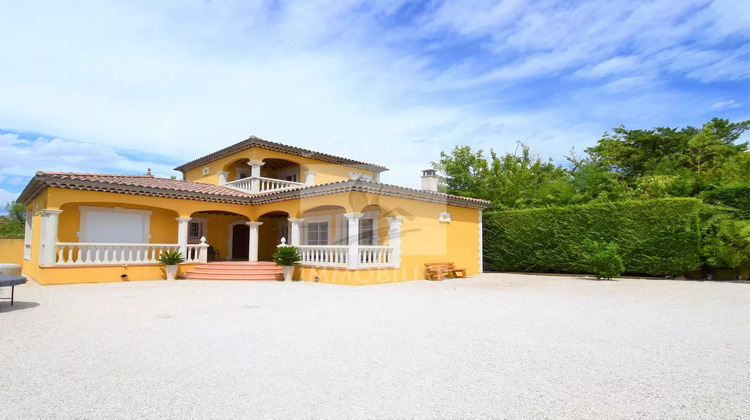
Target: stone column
<point x="294" y="233"/>
<point x="394" y="239"/>
<point x="353" y="219"/>
<point x="223" y="177"/>
<point x="48" y="250"/>
<point x="255" y="175"/>
<point x="182" y="234"/>
<point x="252" y="253"/>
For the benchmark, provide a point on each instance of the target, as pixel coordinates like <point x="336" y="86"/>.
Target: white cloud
<point x="724" y="105"/>
<point x="182" y="80"/>
<point x="5" y="198"/>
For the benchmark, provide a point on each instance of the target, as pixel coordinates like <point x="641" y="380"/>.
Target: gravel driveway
<point x="492" y="346"/>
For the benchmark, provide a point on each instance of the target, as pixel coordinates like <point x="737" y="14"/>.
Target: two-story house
<point x="243" y="201"/>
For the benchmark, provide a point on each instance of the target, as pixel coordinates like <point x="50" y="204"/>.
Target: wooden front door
<point x="240" y="242"/>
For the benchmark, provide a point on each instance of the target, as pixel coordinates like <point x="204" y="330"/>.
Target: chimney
<point x="429" y="180"/>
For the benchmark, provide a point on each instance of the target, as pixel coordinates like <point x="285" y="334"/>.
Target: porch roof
<point x="148" y="185"/>
<point x="253" y="141"/>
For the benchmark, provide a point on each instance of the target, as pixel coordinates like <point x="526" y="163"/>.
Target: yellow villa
<point x="238" y="205"/>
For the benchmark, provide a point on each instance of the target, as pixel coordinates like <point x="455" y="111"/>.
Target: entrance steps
<point x="236" y="270"/>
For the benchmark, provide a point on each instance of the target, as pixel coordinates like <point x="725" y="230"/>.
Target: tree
<point x="12" y="224"/>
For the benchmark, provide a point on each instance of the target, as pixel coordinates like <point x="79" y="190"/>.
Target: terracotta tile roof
<point x="360" y="185"/>
<point x="132" y="184"/>
<point x="253" y="141"/>
<point x="148" y="185"/>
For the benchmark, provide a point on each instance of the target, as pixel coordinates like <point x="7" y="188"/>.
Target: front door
<point x="240" y="242"/>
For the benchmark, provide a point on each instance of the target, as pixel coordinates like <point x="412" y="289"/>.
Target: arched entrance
<point x="240" y="241"/>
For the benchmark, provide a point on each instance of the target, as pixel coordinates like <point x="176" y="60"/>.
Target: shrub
<point x="171" y="257"/>
<point x="286" y="256"/>
<point x="603" y="260"/>
<point x="726" y="240"/>
<point x="654" y="237"/>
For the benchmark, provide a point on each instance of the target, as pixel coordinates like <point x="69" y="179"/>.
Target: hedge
<point x="654" y="237"/>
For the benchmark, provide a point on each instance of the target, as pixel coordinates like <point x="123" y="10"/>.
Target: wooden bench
<point x="438" y="271"/>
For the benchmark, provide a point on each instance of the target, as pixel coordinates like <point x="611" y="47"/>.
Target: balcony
<point x="259" y="184"/>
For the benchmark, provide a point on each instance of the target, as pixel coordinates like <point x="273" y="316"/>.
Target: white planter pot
<point x="288" y="272"/>
<point x="171" y="271"/>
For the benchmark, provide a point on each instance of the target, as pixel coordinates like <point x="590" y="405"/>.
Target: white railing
<point x="69" y="253"/>
<point x="255" y="185"/>
<point x="324" y="255"/>
<point x="338" y="256"/>
<point x="375" y="256"/>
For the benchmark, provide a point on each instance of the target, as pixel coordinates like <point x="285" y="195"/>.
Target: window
<point x="317" y="233"/>
<point x="366" y="231"/>
<point x="196" y="229"/>
<point x="114" y="225"/>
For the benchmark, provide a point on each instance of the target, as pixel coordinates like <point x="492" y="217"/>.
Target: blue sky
<point x="120" y="87"/>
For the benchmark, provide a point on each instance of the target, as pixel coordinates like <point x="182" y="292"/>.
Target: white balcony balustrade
<point x="71" y="253"/>
<point x="375" y="256"/>
<point x="324" y="255"/>
<point x="259" y="184"/>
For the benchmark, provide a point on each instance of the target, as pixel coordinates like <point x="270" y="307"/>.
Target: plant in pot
<point x="287" y="257"/>
<point x="170" y="259"/>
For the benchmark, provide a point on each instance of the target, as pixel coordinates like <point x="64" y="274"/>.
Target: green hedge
<point x="654" y="237"/>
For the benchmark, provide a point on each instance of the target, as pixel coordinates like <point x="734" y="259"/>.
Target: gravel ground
<point x="492" y="346"/>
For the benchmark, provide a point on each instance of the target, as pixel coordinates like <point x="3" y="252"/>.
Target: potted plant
<point x="287" y="257"/>
<point x="170" y="259"/>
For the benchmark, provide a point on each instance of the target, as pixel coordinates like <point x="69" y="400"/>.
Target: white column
<point x="394" y="239"/>
<point x="182" y="234"/>
<point x="203" y="251"/>
<point x="252" y="253"/>
<point x="27" y="235"/>
<point x="254" y="175"/>
<point x="47" y="252"/>
<point x="310" y="178"/>
<point x="294" y="234"/>
<point x="353" y="238"/>
<point x="223" y="177"/>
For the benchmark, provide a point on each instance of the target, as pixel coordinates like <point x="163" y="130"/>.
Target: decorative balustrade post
<point x="252" y="254"/>
<point x="203" y="251"/>
<point x="394" y="239"/>
<point x="294" y="234"/>
<point x="309" y="177"/>
<point x="255" y="175"/>
<point x="353" y="219"/>
<point x="47" y="252"/>
<point x="182" y="234"/>
<point x="223" y="177"/>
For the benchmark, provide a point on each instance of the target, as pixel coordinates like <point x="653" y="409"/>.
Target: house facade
<point x="243" y="201"/>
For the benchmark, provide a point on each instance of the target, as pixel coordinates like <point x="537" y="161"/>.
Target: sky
<point x="119" y="87"/>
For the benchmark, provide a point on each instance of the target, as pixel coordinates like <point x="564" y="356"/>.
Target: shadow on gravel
<point x="17" y="306"/>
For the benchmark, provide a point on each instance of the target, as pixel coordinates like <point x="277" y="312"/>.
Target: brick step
<point x="231" y="269"/>
<point x="239" y="277"/>
<point x="263" y="271"/>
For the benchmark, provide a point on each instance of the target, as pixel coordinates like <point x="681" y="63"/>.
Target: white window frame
<point x="316" y="219"/>
<point x="242" y="173"/>
<point x="342" y="227"/>
<point x="203" y="230"/>
<point x="85" y="210"/>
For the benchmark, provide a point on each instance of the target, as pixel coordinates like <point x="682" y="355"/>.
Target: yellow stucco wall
<point x="11" y="251"/>
<point x="324" y="172"/>
<point x="424" y="238"/>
